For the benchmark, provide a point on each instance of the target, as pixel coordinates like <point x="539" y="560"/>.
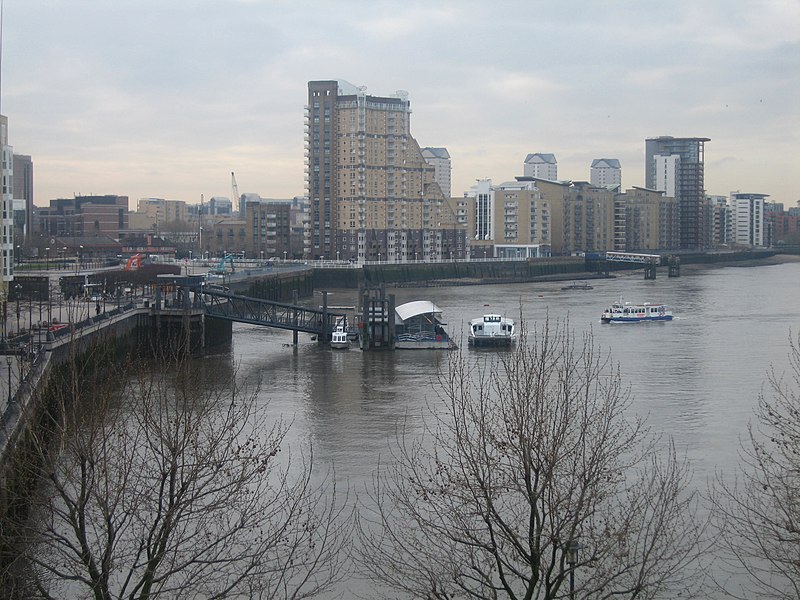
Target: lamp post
<point x="8" y="364"/>
<point x="17" y="288"/>
<point x="5" y="317"/>
<point x="47" y="259"/>
<point x="284" y="256"/>
<point x="572" y="559"/>
<point x="30" y="318"/>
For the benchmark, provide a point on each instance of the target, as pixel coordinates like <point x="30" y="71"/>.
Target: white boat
<point x="339" y="339"/>
<point x="492" y="331"/>
<point x="626" y="312"/>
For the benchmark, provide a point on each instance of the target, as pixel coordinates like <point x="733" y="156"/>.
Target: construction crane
<point x="235" y="191"/>
<point x="134" y="263"/>
<point x="220" y="268"/>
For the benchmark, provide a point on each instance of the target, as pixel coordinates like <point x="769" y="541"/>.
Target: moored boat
<point x="491" y="330"/>
<point x="339" y="339"/>
<point x="627" y="312"/>
<point x="578" y="285"/>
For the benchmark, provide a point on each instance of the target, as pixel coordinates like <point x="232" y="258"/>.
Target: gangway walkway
<point x="244" y="309"/>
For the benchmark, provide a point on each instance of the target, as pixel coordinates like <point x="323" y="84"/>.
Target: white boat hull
<point x="491" y="341"/>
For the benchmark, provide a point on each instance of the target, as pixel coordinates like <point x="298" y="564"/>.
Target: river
<point x="697" y="378"/>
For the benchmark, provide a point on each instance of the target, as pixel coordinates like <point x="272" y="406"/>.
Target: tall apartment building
<point x="747" y="211"/>
<point x="509" y="220"/>
<point x="541" y="166"/>
<point x="606" y="172"/>
<point x="439" y="159"/>
<point x="719" y="225"/>
<point x="7" y="243"/>
<point x="676" y="167"/>
<point x="269" y="229"/>
<point x="23" y="193"/>
<point x="482" y="211"/>
<point x="522" y="226"/>
<point x="582" y="217"/>
<point x="372" y="195"/>
<point x="651" y="220"/>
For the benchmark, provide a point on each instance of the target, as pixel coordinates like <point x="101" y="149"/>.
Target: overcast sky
<point x="164" y="98"/>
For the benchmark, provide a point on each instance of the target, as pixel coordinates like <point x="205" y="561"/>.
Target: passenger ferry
<point x="491" y="331"/>
<point x="625" y="312"/>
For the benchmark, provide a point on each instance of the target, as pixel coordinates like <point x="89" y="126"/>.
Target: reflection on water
<point x="697" y="377"/>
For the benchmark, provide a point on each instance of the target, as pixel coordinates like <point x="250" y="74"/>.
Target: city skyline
<point x="147" y="100"/>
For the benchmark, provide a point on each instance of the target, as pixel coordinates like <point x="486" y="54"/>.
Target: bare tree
<point x="175" y="486"/>
<point x="535" y="481"/>
<point x="758" y="511"/>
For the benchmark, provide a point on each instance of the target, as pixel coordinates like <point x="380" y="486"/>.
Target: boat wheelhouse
<point x="418" y="326"/>
<point x="491" y="330"/>
<point x="626" y="312"/>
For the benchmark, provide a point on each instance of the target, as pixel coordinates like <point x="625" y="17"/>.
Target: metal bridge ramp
<point x="244" y="309"/>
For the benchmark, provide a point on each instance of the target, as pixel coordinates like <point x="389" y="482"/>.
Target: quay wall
<point x="277" y="286"/>
<point x="33" y="407"/>
<point x="448" y="273"/>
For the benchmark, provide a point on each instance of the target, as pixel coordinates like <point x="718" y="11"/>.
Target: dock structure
<point x="377" y="327"/>
<point x="650" y="262"/>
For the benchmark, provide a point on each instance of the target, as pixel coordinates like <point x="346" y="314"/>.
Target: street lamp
<point x="284" y="256"/>
<point x="18" y="289"/>
<point x="572" y="559"/>
<point x="8" y="364"/>
<point x="47" y="259"/>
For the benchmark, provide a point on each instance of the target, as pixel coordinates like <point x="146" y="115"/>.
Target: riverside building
<point x="747" y="212"/>
<point x="541" y="166"/>
<point x="676" y="166"/>
<point x="372" y="195"/>
<point x="606" y="172"/>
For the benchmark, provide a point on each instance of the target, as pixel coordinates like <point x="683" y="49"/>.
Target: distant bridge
<point x="650" y="262"/>
<point x="633" y="257"/>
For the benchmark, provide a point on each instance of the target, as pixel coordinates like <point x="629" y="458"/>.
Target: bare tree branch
<point x="758" y="512"/>
<point x="530" y="451"/>
<point x="173" y="484"/>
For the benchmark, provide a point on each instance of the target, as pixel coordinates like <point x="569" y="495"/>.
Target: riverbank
<point x="775" y="259"/>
